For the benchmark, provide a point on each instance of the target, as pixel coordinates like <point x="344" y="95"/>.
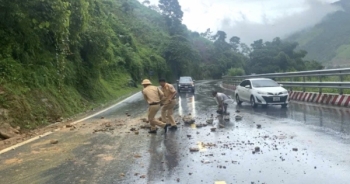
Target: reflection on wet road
<point x="301" y="144"/>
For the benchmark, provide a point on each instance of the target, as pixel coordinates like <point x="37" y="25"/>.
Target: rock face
<point x="6" y="131"/>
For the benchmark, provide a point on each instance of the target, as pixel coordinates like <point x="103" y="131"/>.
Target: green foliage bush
<point x="236" y="72"/>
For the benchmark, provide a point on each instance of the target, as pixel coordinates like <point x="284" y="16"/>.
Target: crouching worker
<point x="222" y="101"/>
<point x="153" y="96"/>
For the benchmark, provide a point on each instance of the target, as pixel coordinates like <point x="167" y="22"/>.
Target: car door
<point x="243" y="90"/>
<point x="247" y="91"/>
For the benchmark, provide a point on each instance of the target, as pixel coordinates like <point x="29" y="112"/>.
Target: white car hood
<point x="271" y="89"/>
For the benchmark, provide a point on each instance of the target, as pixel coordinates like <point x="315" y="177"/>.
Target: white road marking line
<point x="73" y="123"/>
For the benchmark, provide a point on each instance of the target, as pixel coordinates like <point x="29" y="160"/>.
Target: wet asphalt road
<point x="118" y="155"/>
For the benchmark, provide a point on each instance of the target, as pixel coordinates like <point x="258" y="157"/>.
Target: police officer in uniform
<point x="153" y="96"/>
<point x="169" y="102"/>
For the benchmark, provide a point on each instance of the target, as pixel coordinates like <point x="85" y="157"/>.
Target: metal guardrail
<point x="321" y="74"/>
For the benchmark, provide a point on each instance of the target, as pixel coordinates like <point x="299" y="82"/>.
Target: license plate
<point x="275" y="99"/>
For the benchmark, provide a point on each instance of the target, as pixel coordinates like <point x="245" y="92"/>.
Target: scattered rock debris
<point x="199" y="125"/>
<point x="133" y="129"/>
<point x="55" y="141"/>
<point x="137" y="156"/>
<point x="7" y="131"/>
<point x="238" y="117"/>
<point x="144" y="120"/>
<point x="295" y="149"/>
<point x="258" y="126"/>
<point x="257" y="149"/>
<point x="213" y="129"/>
<point x="210" y="121"/>
<point x="145" y="126"/>
<point x="188" y="119"/>
<point x="194" y="149"/>
<point x="69" y="125"/>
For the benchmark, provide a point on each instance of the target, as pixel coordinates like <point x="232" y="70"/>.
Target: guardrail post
<point x="320" y="89"/>
<point x="340" y="89"/>
<point x="304" y="84"/>
<point x="291" y="80"/>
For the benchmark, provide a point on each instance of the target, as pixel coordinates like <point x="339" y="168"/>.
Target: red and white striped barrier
<point x="327" y="99"/>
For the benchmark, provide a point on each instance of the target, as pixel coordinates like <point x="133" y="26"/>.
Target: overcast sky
<point x="253" y="19"/>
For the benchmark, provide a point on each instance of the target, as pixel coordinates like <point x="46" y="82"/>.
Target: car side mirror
<point x="281" y="85"/>
<point x="247" y="86"/>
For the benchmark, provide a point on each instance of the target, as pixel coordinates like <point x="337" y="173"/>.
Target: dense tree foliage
<point x="277" y="56"/>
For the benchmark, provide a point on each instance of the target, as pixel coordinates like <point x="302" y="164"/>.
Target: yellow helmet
<point x="146" y="81"/>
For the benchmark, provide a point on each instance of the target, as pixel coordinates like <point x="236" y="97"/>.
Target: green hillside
<point x="328" y="41"/>
<point x="62" y="57"/>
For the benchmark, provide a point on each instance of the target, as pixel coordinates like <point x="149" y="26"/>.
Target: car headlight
<point x="179" y="85"/>
<point x="285" y="92"/>
<point x="262" y="93"/>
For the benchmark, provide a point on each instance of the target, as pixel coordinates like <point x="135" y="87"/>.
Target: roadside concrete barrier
<point x="323" y="98"/>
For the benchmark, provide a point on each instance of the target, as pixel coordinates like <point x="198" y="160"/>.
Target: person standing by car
<point x="169" y="103"/>
<point x="222" y="101"/>
<point x="153" y="96"/>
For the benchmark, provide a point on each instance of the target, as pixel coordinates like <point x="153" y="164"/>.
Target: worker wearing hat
<point x="153" y="97"/>
<point x="169" y="102"/>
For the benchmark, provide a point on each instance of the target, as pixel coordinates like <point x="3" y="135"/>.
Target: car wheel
<point x="239" y="102"/>
<point x="252" y="102"/>
<point x="284" y="105"/>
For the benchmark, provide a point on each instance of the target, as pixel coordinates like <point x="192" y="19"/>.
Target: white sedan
<point x="261" y="91"/>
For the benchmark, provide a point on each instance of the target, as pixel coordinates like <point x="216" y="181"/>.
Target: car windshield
<point x="264" y="83"/>
<point x="185" y="80"/>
